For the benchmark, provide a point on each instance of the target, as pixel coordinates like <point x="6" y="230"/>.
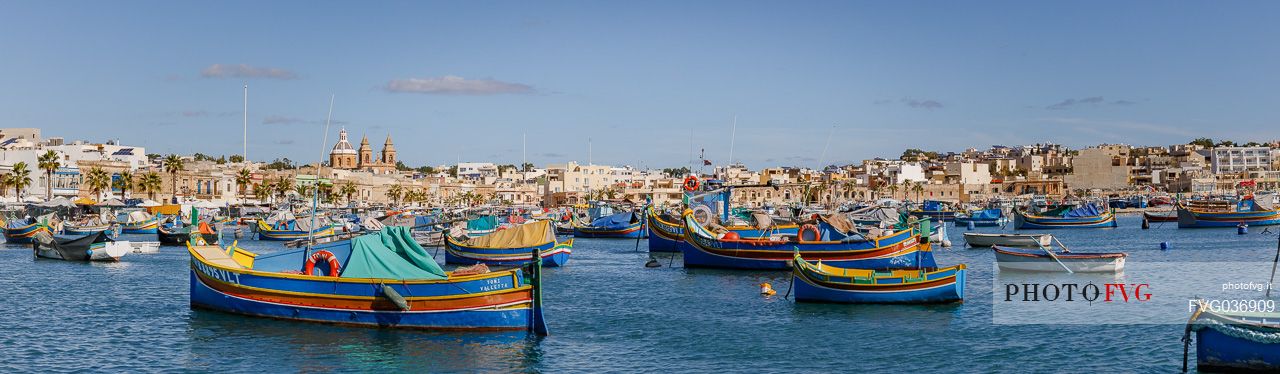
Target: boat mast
<point x="732" y="137"/>
<point x="245" y="151"/>
<point x="315" y="195"/>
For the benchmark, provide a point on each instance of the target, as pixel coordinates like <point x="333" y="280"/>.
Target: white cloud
<point x="246" y="71"/>
<point x="454" y="85"/>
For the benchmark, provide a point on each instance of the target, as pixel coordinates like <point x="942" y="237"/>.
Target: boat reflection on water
<point x="310" y="347"/>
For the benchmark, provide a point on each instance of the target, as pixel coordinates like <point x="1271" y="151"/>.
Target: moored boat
<point x="982" y="218"/>
<point x="380" y="279"/>
<point x="667" y="235"/>
<point x="704" y="248"/>
<point x="1227" y="214"/>
<point x="90" y="247"/>
<point x="935" y="210"/>
<point x="292" y="229"/>
<point x="510" y="246"/>
<point x="1042" y="260"/>
<point x="140" y="222"/>
<point x="1086" y="216"/>
<point x="974" y="239"/>
<point x="21" y="231"/>
<point x="1152" y="217"/>
<point x="821" y="282"/>
<point x="1235" y="342"/>
<point x="625" y="225"/>
<point x="170" y="235"/>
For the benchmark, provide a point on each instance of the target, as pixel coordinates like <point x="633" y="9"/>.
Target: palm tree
<point x="264" y="191"/>
<point x="893" y="191"/>
<point x="243" y="178"/>
<point x="49" y="163"/>
<point x="348" y="189"/>
<point x="124" y="183"/>
<point x="4" y="184"/>
<point x="918" y="188"/>
<point x="283" y="186"/>
<point x="20" y="178"/>
<point x="150" y="183"/>
<point x="98" y="180"/>
<point x="394" y="192"/>
<point x="303" y="191"/>
<point x="172" y="165"/>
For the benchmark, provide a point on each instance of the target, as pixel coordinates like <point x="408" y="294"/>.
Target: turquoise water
<point x="606" y="312"/>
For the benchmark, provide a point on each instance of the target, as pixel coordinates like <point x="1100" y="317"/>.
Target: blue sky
<point x="463" y="80"/>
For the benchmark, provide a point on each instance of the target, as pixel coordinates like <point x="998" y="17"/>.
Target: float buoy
<point x="730" y="236"/>
<point x="1242" y="229"/>
<point x="767" y="289"/>
<point x="690" y="183"/>
<point x="809" y="228"/>
<point x="1164" y="246"/>
<point x="310" y="266"/>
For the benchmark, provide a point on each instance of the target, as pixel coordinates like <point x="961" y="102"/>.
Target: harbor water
<point x="606" y="311"/>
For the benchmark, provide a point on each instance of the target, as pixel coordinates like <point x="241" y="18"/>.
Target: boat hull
<point x="1007" y="240"/>
<point x="553" y="254"/>
<point x="632" y="231"/>
<point x="286" y="235"/>
<point x="1078" y="263"/>
<point x="965" y="221"/>
<point x="665" y="236"/>
<point x="109" y="252"/>
<point x="899" y="250"/>
<point x="24" y="234"/>
<point x="85" y="230"/>
<point x="812" y="286"/>
<point x="1025" y="222"/>
<point x="145" y="227"/>
<point x="1189" y="219"/>
<point x="1227" y="343"/>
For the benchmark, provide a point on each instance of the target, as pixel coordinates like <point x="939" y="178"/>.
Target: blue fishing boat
<point x="1084" y="216"/>
<point x="901" y="249"/>
<point x="1226" y="214"/>
<point x="380" y="279"/>
<point x="21" y="231"/>
<point x="667" y="235"/>
<point x="291" y="229"/>
<point x="626" y="225"/>
<point x="982" y="218"/>
<point x="820" y="282"/>
<point x="510" y="246"/>
<point x="936" y="210"/>
<point x="1234" y="342"/>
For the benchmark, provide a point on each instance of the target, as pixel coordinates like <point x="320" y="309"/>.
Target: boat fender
<point x="88" y="252"/>
<point x="767" y="289"/>
<point x="310" y="266"/>
<point x="1242" y="229"/>
<point x="395" y="297"/>
<point x="809" y="228"/>
<point x="1164" y="246"/>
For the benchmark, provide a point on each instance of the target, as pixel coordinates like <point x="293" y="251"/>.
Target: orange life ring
<point x="809" y="227"/>
<point x="690" y="183"/>
<point x="316" y="257"/>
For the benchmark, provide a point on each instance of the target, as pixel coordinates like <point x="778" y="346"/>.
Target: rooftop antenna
<point x="732" y="137"/>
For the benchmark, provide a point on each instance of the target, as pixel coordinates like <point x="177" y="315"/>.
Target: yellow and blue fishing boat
<point x="819" y="282"/>
<point x="381" y="279"/>
<point x="290" y="230"/>
<point x="510" y="246"/>
<point x="626" y="225"/>
<point x="901" y="249"/>
<point x="1226" y="214"/>
<point x="668" y="235"/>
<point x="1085" y="216"/>
<point x="140" y="222"/>
<point x="21" y="231"/>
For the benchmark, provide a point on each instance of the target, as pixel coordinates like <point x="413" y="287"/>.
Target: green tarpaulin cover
<point x="391" y="254"/>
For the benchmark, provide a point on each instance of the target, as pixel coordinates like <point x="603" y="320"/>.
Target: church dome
<point x="343" y="147"/>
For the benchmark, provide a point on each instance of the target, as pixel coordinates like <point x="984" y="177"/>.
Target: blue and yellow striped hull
<point x="553" y="254"/>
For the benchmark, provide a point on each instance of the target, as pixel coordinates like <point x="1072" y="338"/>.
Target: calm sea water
<point x="606" y="312"/>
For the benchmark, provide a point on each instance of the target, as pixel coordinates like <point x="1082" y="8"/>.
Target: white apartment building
<point x="1239" y="159"/>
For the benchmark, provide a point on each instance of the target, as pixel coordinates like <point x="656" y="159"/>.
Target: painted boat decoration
<point x="1245" y="211"/>
<point x="1234" y="342"/>
<point x="1152" y="217"/>
<point x="982" y="218"/>
<point x="935" y="210"/>
<point x="380" y="279"/>
<point x="980" y="240"/>
<point x="90" y="247"/>
<point x="626" y="225"/>
<point x="1086" y="216"/>
<point x="290" y="230"/>
<point x="668" y="235"/>
<point x="140" y="222"/>
<point x="819" y="282"/>
<point x="895" y="250"/>
<point x="1040" y="260"/>
<point x="170" y="235"/>
<point x="510" y="247"/>
<point x="22" y="231"/>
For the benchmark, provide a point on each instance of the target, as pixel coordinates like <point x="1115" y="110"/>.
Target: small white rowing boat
<point x="1008" y="240"/>
<point x="1040" y="260"/>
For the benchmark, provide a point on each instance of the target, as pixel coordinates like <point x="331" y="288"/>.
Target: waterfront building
<point x="1225" y="160"/>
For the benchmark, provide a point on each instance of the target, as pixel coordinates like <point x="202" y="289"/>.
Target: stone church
<point x="345" y="157"/>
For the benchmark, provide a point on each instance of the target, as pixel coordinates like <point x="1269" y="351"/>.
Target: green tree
<point x="394" y="192"/>
<point x="1203" y="142"/>
<point x="150" y="183"/>
<point x="124" y="183"/>
<point x="98" y="180"/>
<point x="348" y="189"/>
<point x="20" y="178"/>
<point x="49" y="163"/>
<point x="236" y="158"/>
<point x="173" y="164"/>
<point x="243" y="178"/>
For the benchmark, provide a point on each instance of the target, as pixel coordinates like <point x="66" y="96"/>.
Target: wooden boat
<point x="935" y="210"/>
<point x="22" y="231"/>
<point x="1192" y="215"/>
<point x="510" y="247"/>
<point x="982" y="218"/>
<point x="289" y="230"/>
<point x="90" y="247"/>
<point x="380" y="279"/>
<point x="1040" y="259"/>
<point x="820" y="282"/>
<point x="1235" y="342"/>
<point x="85" y="229"/>
<point x="895" y="250"/>
<point x="668" y="235"/>
<point x="1152" y="217"/>
<point x="140" y="223"/>
<point x="627" y="225"/>
<point x="1008" y="240"/>
<point x="170" y="235"/>
<point x="1087" y="216"/>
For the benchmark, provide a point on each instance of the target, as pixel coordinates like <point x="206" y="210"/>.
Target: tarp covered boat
<point x="627" y="225"/>
<point x="985" y="217"/>
<point x="1084" y="216"/>
<point x="379" y="279"/>
<point x="936" y="210"/>
<point x="1235" y="342"/>
<point x="91" y="247"/>
<point x="139" y="222"/>
<point x="821" y="282"/>
<point x="704" y="248"/>
<point x="666" y="234"/>
<point x="511" y="246"/>
<point x="170" y="235"/>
